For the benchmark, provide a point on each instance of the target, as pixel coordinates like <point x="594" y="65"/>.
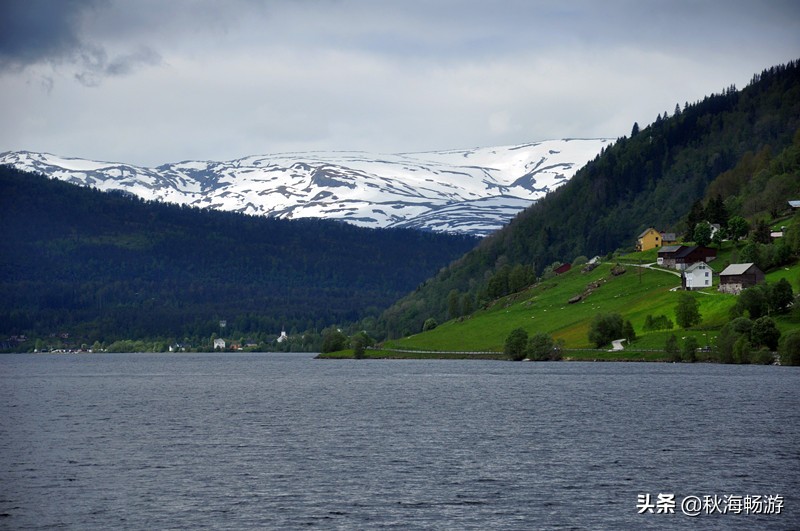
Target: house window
<point x="706" y="274"/>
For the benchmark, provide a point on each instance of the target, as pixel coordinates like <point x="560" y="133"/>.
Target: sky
<point x="150" y="82"/>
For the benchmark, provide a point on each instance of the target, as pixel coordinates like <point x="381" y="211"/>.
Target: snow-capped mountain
<point x="473" y="191"/>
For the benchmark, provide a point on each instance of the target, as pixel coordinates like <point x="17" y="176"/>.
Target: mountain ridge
<point x="472" y="191"/>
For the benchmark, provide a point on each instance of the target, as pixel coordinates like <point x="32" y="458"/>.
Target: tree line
<point x="651" y="178"/>
<point x="98" y="266"/>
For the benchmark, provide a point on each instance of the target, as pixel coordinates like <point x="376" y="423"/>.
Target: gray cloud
<point x="36" y="31"/>
<point x="214" y="79"/>
<point x="95" y="64"/>
<point x="52" y="32"/>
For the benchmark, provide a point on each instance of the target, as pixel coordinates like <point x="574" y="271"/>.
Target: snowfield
<point x="474" y="191"/>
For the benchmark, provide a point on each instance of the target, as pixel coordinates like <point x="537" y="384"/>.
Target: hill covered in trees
<point x="721" y="146"/>
<point x="92" y="266"/>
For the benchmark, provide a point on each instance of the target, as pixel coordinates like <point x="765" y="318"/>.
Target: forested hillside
<point x="94" y="266"/>
<point x="651" y="178"/>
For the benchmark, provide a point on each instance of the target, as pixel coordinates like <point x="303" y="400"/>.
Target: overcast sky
<point x="154" y="81"/>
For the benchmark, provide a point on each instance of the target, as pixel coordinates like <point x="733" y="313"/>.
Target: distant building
<point x="682" y="256"/>
<point x="563" y="268"/>
<point x="649" y="239"/>
<point x="283" y="337"/>
<point x="666" y="255"/>
<point x="737" y="277"/>
<point x="794" y="204"/>
<point x="697" y="276"/>
<point x="669" y="238"/>
<point x="179" y="347"/>
<point x="219" y="344"/>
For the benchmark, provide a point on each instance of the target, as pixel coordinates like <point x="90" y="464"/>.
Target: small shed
<point x="737" y="277"/>
<point x="563" y="268"/>
<point x="669" y="238"/>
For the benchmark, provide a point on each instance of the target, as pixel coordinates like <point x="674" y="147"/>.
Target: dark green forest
<point x="80" y="266"/>
<point x="733" y="146"/>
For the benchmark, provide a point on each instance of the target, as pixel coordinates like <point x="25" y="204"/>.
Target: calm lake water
<point x="283" y="441"/>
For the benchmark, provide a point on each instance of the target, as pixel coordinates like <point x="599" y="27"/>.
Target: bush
<point x="628" y="332"/>
<point x="540" y="347"/>
<point x="661" y="322"/>
<point x="605" y="328"/>
<point x="764" y="356"/>
<point x="790" y="348"/>
<point x="741" y="350"/>
<point x="765" y="333"/>
<point x="429" y="324"/>
<point x="333" y="340"/>
<point x="359" y="343"/>
<point x="516" y="344"/>
<point x="689" y="353"/>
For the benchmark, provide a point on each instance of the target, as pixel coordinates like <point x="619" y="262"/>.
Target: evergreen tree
<point x="466" y="304"/>
<point x="790" y="348"/>
<point x="761" y="232"/>
<point x="689" y="353"/>
<point x="696" y="214"/>
<point x="672" y="349"/>
<point x="453" y="304"/>
<point x="716" y="212"/>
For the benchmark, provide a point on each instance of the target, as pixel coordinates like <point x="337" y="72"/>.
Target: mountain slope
<point x="649" y="179"/>
<point x="105" y="266"/>
<point x="468" y="191"/>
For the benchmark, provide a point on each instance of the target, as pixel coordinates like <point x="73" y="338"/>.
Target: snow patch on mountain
<point x="474" y="191"/>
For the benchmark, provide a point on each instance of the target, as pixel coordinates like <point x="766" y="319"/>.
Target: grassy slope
<point x="544" y="308"/>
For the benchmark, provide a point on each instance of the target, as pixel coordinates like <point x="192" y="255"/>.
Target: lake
<point x="284" y="441"/>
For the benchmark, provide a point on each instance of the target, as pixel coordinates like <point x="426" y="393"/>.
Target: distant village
<point x="692" y="262"/>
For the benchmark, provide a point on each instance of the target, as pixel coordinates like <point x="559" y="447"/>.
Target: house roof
<point x="642" y="235"/>
<point x="795" y="203"/>
<point x="563" y="268"/>
<point x="669" y="249"/>
<point x="685" y="251"/>
<point x="737" y="269"/>
<point x="669" y="236"/>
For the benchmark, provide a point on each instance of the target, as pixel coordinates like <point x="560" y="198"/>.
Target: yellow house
<point x="649" y="239"/>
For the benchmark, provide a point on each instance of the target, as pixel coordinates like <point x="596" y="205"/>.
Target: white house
<point x="219" y="344"/>
<point x="697" y="276"/>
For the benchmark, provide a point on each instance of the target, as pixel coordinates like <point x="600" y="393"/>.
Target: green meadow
<point x="638" y="292"/>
